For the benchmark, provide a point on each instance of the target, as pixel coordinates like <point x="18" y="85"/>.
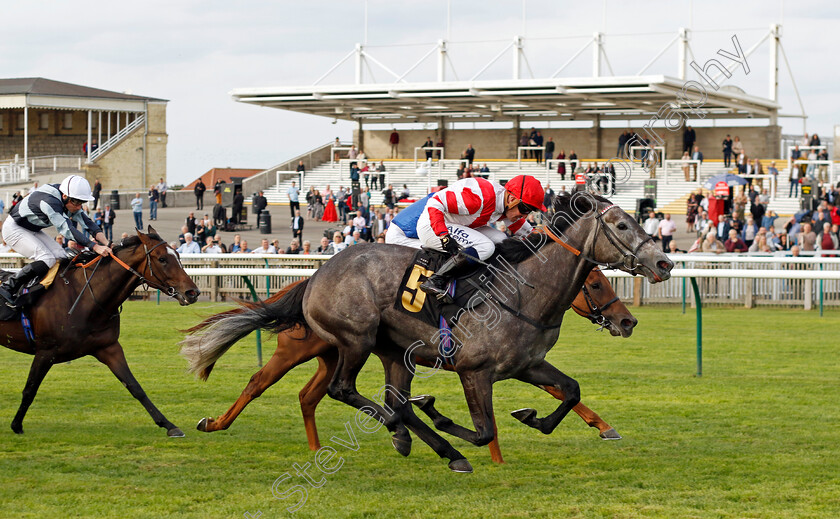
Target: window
<point x="93" y="119"/>
<point x="1" y="121"/>
<point x="68" y="121"/>
<point x="20" y="122"/>
<point x="44" y="121"/>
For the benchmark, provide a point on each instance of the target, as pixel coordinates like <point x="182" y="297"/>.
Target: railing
<point x="695" y="169"/>
<point x="520" y="149"/>
<point x="116" y="138"/>
<point x="13" y="173"/>
<point x="54" y="163"/>
<point x="431" y="149"/>
<point x="818" y="164"/>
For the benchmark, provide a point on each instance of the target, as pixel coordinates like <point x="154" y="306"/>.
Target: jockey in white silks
<point x="457" y="219"/>
<point x="50" y="205"/>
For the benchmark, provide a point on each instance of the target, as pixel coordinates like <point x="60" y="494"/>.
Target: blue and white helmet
<point x="76" y="187"/>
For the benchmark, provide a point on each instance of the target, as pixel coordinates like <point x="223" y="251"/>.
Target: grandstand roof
<point x="622" y="98"/>
<point x="47" y="93"/>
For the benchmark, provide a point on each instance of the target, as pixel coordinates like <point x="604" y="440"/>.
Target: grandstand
<point x="492" y="113"/>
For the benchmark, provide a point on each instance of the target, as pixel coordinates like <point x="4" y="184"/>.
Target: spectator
<point x="812" y="156"/>
<point x="807" y="239"/>
<point x="428" y="145"/>
<point x="394" y="141"/>
<point x="727" y="151"/>
<point x="199" y="190"/>
<point x="307" y="248"/>
<point x="737" y="149"/>
<point x="651" y="225"/>
<point x="673" y="249"/>
<point x="353" y="239"/>
<point x="191" y="222"/>
<point x="189" y="246"/>
<point x="300" y="167"/>
<point x="318" y="205"/>
<point x="297" y="225"/>
<point x="360" y="222"/>
<point x="260" y="203"/>
<point x="405" y="192"/>
<point x="137" y="209"/>
<point x="573" y="160"/>
<point x="760" y="245"/>
<point x="561" y="165"/>
<point x="337" y="244"/>
<point x="828" y="239"/>
<point x="702" y="224"/>
<point x="200" y="233"/>
<point x="154" y="199"/>
<point x="265" y="248"/>
<point x="213" y="246"/>
<point x="217" y="192"/>
<point x="548" y="198"/>
<point x="97" y="192"/>
<point x="691" y="211"/>
<point x="161" y="187"/>
<point x="439" y="144"/>
<point x="689" y="138"/>
<point x="686" y="166"/>
<point x="388" y="196"/>
<point x="750" y="231"/>
<point x="823" y="168"/>
<point x="697" y="155"/>
<point x="665" y="231"/>
<point x="236" y="207"/>
<point x="549" y="149"/>
<point x="325" y="244"/>
<point x="243" y="248"/>
<point x="735" y="243"/>
<point x="712" y="244"/>
<point x="353" y="153"/>
<point x="723" y="228"/>
<point x="237" y="242"/>
<point x="294" y="247"/>
<point x="181" y="239"/>
<point x="469" y="154"/>
<point x="538" y="141"/>
<point x="108" y="217"/>
<point x="293" y="193"/>
<point x="375" y="178"/>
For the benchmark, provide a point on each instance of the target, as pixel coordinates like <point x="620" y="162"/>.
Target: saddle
<point x="29" y="293"/>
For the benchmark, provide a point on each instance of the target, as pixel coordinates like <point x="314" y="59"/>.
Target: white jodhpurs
<point x="396" y="236"/>
<point x="482" y="239"/>
<point x="34" y="245"/>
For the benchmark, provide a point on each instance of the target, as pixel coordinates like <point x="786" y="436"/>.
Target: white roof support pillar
<point x="441" y="64"/>
<point x="683" y="53"/>
<point x="517" y="57"/>
<point x="99" y="128"/>
<point x="90" y="121"/>
<point x="597" y="49"/>
<point x="360" y="58"/>
<point x="775" y="35"/>
<point x="26" y="134"/>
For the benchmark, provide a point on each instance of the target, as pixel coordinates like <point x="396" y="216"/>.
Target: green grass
<point x="756" y="436"/>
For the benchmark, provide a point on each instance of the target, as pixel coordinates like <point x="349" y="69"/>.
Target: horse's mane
<point x="133" y="241"/>
<point x="567" y="210"/>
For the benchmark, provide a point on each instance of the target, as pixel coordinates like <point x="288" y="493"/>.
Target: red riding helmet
<point x="527" y="189"/>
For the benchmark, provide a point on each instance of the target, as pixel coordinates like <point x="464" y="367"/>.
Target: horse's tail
<point x="207" y="341"/>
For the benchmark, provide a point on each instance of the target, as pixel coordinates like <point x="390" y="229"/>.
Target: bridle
<point x="594" y="312"/>
<point x="629" y="260"/>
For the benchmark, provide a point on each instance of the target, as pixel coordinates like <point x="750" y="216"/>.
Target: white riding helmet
<point x="76" y="187"/>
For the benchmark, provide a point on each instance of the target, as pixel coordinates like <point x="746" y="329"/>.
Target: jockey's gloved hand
<point x="449" y="245"/>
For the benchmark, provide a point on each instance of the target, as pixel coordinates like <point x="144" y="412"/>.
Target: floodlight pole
<point x="597" y="49"/>
<point x="775" y="35"/>
<point x="517" y="57"/>
<point x="683" y="53"/>
<point x="441" y="69"/>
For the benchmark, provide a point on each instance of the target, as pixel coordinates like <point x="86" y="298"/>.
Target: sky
<point x="193" y="53"/>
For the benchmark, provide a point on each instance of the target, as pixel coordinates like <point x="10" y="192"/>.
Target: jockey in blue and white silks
<point x="57" y="205"/>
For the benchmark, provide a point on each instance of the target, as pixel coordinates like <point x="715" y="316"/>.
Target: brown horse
<point x="80" y="315"/>
<point x="597" y="302"/>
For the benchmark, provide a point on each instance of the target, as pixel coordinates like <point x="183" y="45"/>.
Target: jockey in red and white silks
<point x="465" y="211"/>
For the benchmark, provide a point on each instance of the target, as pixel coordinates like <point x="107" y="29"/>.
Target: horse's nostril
<point x="628" y="324"/>
<point x="665" y="265"/>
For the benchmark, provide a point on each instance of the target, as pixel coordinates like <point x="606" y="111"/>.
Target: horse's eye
<point x="596" y="286"/>
<point x="622" y="226"/>
<point x="162" y="259"/>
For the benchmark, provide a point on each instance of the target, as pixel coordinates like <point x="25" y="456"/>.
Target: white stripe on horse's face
<point x="170" y="250"/>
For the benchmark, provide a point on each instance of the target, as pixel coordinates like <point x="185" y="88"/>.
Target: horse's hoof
<point x="18" y="429"/>
<point x="422" y="401"/>
<point x="202" y="424"/>
<point x="525" y="416"/>
<point x="462" y="466"/>
<point x="402" y="446"/>
<point x="175" y="433"/>
<point x="610" y="434"/>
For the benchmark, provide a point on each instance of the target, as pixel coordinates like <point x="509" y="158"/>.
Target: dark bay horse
<point x="597" y="302"/>
<point x="94" y="326"/>
<point x="585" y="231"/>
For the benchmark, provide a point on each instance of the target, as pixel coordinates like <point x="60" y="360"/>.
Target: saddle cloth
<point x="29" y="293"/>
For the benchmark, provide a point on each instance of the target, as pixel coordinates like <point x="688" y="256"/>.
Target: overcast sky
<point x="193" y="53"/>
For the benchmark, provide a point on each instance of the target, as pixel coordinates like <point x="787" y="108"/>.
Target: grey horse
<point x="501" y="336"/>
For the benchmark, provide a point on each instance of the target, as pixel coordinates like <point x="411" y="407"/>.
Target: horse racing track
<point x="756" y="436"/>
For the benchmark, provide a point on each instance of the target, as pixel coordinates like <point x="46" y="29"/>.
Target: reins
<point x="95" y="264"/>
<point x="595" y="313"/>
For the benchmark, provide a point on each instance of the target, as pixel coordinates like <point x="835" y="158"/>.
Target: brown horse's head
<point x="598" y="302"/>
<point x="162" y="266"/>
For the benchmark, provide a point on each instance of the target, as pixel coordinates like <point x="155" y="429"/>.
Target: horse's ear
<point x="152" y="230"/>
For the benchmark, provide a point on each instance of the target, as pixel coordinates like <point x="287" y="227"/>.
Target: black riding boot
<point x="10" y="287"/>
<point x="439" y="282"/>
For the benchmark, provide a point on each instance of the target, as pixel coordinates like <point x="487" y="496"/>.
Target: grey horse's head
<point x="614" y="239"/>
